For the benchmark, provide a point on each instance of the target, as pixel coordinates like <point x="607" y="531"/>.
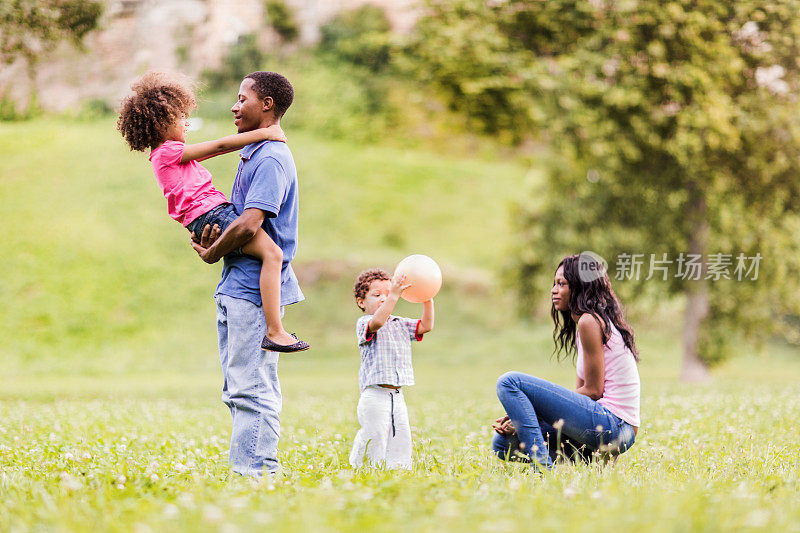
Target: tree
<point x="29" y="29"/>
<point x="683" y="117"/>
<point x="360" y="36"/>
<point x="280" y="17"/>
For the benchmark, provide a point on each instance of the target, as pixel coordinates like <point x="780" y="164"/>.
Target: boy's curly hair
<point x="158" y="100"/>
<point x="361" y="286"/>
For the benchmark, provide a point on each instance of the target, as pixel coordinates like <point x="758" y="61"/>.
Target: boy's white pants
<point x="385" y="434"/>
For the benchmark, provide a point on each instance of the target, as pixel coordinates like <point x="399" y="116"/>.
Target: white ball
<point x="423" y="274"/>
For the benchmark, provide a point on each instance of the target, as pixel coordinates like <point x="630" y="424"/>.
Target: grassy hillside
<point x="99" y="273"/>
<point x="109" y="410"/>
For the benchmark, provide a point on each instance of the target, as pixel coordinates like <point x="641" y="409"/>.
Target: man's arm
<point x="235" y="236"/>
<point x="204" y="150"/>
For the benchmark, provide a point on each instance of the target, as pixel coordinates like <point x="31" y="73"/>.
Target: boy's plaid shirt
<point x="386" y="354"/>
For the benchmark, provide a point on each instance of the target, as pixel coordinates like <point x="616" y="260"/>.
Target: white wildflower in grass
<point x="121" y="479"/>
<point x="448" y="509"/>
<point x="757" y="518"/>
<point x="569" y="492"/>
<point x="558" y="424"/>
<point x="170" y="511"/>
<point x="597" y="495"/>
<point x="154" y="478"/>
<point x="212" y="513"/>
<point x="68" y="456"/>
<point x="228" y="528"/>
<point x="141" y="528"/>
<point x="69" y="482"/>
<point x="238" y="503"/>
<point x="261" y="517"/>
<point x="185" y="499"/>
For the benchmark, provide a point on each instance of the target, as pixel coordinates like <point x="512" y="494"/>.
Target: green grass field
<point x="110" y="416"/>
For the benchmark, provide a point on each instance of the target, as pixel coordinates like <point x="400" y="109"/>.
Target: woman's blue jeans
<point x="535" y="407"/>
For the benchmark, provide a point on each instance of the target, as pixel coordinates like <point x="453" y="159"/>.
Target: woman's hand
<point x="504" y="426"/>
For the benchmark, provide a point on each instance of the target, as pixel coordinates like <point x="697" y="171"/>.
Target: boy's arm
<point x="382" y="314"/>
<point x="426" y="323"/>
<point x="204" y="150"/>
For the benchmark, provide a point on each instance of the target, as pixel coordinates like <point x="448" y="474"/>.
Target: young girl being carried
<point x="155" y="117"/>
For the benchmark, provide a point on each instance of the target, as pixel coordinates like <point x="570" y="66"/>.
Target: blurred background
<point x="495" y="136"/>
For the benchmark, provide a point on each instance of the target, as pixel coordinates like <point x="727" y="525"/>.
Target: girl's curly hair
<point x="361" y="286"/>
<point x="158" y="100"/>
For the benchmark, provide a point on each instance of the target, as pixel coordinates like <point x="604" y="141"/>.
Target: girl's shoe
<point x="298" y="346"/>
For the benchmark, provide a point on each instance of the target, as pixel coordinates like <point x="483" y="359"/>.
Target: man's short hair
<point x="361" y="286"/>
<point x="274" y="85"/>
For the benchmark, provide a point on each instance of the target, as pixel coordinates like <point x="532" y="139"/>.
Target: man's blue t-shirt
<point x="266" y="180"/>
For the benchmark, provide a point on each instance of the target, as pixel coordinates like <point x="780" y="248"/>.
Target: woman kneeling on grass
<point x="601" y="416"/>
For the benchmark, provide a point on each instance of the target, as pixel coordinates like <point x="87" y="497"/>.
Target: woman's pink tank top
<point x="622" y="388"/>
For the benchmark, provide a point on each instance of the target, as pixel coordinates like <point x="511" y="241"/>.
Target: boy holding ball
<point x="384" y="341"/>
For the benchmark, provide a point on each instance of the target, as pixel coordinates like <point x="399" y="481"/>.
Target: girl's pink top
<point x="186" y="186"/>
<point x="622" y="389"/>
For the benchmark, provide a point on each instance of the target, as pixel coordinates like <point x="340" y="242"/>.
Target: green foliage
<point x="242" y="58"/>
<point x="9" y="110"/>
<point x="339" y="100"/>
<point x="31" y="28"/>
<point x="279" y="16"/>
<point x="361" y="36"/>
<point x="78" y="18"/>
<point x="681" y="113"/>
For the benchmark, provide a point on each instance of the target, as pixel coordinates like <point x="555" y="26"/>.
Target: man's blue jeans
<point x="251" y="389"/>
<point x="535" y="406"/>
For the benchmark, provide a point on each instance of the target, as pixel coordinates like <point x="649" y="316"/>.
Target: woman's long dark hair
<point x="589" y="293"/>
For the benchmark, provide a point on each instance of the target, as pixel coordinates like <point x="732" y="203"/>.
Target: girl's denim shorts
<point x="222" y="215"/>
